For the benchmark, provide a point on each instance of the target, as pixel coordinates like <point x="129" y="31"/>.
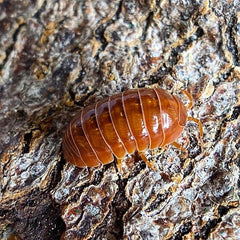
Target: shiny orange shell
<point x="134" y="120"/>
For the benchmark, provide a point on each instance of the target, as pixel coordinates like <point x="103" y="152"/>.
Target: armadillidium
<point x="134" y="120"/>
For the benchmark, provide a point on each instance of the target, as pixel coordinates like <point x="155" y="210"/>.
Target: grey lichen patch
<point x="229" y="227"/>
<point x="72" y="180"/>
<point x="90" y="209"/>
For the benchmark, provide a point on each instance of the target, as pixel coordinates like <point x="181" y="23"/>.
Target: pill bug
<point x="134" y="120"/>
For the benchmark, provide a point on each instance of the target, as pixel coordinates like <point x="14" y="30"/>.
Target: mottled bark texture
<point x="57" y="57"/>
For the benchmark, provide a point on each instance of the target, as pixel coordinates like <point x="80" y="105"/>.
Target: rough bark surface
<point x="57" y="57"/>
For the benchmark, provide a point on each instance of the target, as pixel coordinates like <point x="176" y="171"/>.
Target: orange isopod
<point x="134" y="120"/>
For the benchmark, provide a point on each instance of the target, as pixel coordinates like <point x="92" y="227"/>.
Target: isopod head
<point x="174" y="116"/>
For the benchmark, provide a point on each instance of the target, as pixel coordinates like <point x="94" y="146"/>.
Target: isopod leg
<point x="177" y="145"/>
<point x="142" y="155"/>
<point x="119" y="164"/>
<point x="199" y="126"/>
<point x="189" y="98"/>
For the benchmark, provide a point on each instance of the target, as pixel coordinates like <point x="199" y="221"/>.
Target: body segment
<point x="135" y="120"/>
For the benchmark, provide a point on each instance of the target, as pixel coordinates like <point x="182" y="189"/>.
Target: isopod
<point x="134" y="120"/>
